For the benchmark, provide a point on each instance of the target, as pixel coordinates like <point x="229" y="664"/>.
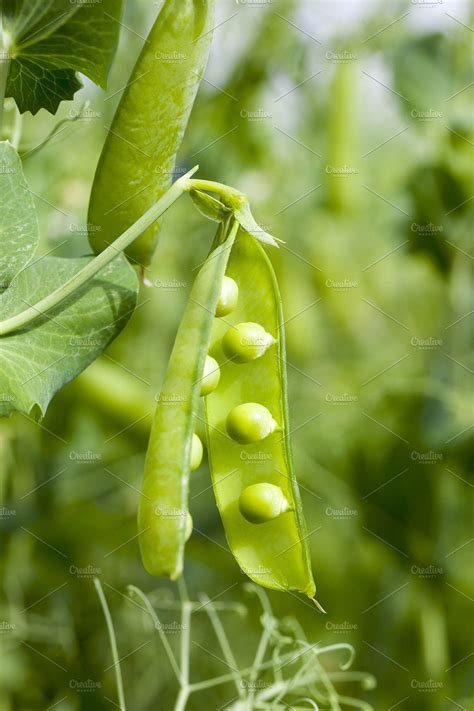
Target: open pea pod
<point x="137" y="161"/>
<point x="163" y="511"/>
<point x="248" y="431"/>
<point x="230" y="347"/>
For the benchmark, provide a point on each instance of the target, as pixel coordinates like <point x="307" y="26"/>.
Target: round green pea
<point x="263" y="502"/>
<point x="196" y="453"/>
<point x="250" y="422"/>
<point x="211" y="376"/>
<point x="228" y="297"/>
<point x="246" y="342"/>
<point x="189" y="527"/>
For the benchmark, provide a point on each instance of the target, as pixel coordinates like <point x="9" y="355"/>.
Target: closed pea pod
<point x="163" y="520"/>
<point x="248" y="436"/>
<point x="138" y="158"/>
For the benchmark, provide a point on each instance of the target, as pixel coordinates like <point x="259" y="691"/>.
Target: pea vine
<point x="287" y="671"/>
<point x="57" y="315"/>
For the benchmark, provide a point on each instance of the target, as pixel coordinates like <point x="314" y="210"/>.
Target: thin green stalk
<point x="60" y="126"/>
<point x="198" y="607"/>
<point x="288" y="685"/>
<point x="224" y="642"/>
<point x="4" y="69"/>
<point x="17" y="129"/>
<point x="333" y="696"/>
<point x="169" y="652"/>
<point x="113" y="643"/>
<point x="279" y="689"/>
<point x="229" y="195"/>
<point x="257" y="664"/>
<point x="99" y="262"/>
<point x="186" y="612"/>
<point x="263" y="643"/>
<point x="226" y="678"/>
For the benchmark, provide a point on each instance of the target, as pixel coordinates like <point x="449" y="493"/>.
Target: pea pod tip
<point x="319" y="607"/>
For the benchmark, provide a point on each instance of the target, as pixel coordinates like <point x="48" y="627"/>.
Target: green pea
<point x="246" y="342"/>
<point x="262" y="502"/>
<point x="250" y="422"/>
<point x="210" y="376"/>
<point x="196" y="453"/>
<point x="228" y="297"/>
<point x="189" y="527"/>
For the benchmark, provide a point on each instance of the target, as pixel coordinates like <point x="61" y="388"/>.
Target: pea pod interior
<point x="275" y="553"/>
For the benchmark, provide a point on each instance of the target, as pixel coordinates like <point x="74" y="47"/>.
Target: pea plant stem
<point x="186" y="611"/>
<point x="113" y="643"/>
<point x="4" y="68"/>
<point x="95" y="265"/>
<point x="224" y="642"/>
<point x="17" y="129"/>
<point x="229" y="195"/>
<point x="158" y="627"/>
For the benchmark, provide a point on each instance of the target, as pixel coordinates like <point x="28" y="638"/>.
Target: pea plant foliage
<point x="43" y="46"/>
<point x="58" y="314"/>
<point x="227" y="367"/>
<point x="47" y="41"/>
<point x="38" y="359"/>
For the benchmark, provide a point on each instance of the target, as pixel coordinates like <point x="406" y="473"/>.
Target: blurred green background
<point x="349" y="124"/>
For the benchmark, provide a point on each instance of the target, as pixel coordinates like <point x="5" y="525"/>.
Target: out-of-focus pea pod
<point x="138" y="158"/>
<point x="164" y="502"/>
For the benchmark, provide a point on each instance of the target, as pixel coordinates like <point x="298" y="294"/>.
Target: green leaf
<point x="19" y="232"/>
<point x="34" y="87"/>
<point x="416" y="59"/>
<point x="37" y="361"/>
<point x="51" y="41"/>
<point x="29" y="19"/>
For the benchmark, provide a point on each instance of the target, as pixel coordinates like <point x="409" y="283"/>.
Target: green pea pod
<point x="138" y="158"/>
<point x="264" y="524"/>
<point x="164" y="502"/>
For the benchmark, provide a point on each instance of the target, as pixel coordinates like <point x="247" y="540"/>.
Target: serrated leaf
<point x="19" y="232"/>
<point x="35" y="87"/>
<point x="41" y="358"/>
<point x="49" y="46"/>
<point x="32" y="19"/>
<point x="38" y="360"/>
